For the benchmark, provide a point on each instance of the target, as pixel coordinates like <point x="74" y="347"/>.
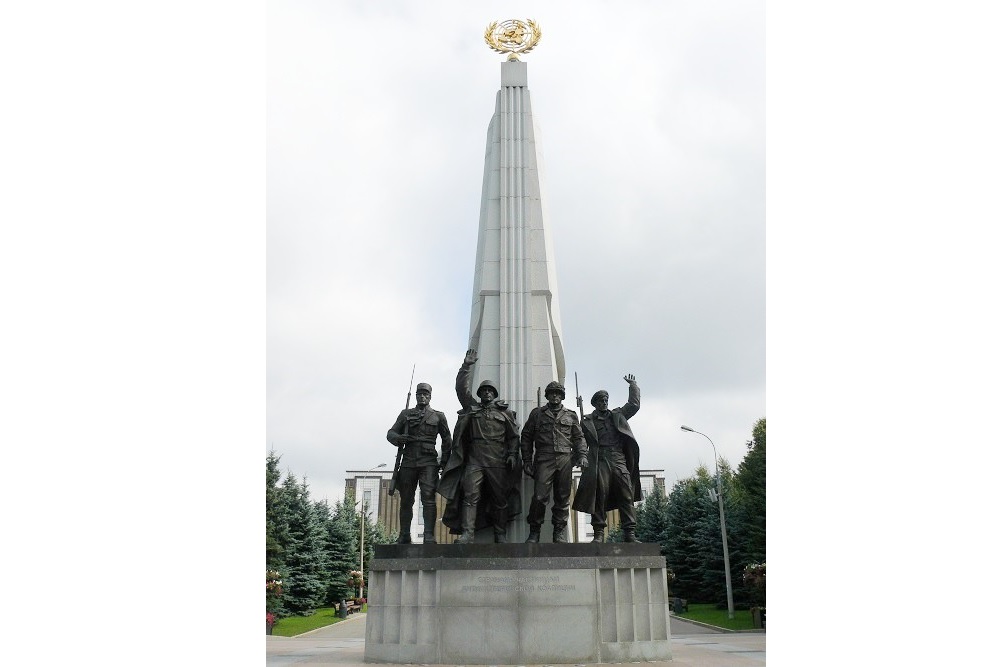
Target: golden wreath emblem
<point x="512" y="36"/>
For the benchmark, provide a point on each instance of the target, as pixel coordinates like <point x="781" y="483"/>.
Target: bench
<point x="353" y="606"/>
<point x="678" y="605"/>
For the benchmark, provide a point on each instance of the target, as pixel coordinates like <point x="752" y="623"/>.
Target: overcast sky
<point x="651" y="120"/>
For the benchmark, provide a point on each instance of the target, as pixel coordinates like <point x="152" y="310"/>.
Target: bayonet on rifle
<point x="579" y="399"/>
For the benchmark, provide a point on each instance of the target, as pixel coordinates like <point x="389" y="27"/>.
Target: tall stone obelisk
<point x="515" y="323"/>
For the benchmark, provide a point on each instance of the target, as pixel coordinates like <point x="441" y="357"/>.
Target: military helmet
<point x="423" y="386"/>
<point x="555" y="387"/>
<point x="487" y="383"/>
<point x="597" y="396"/>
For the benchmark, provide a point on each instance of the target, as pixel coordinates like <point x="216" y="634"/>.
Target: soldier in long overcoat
<point x="611" y="480"/>
<point x="481" y="479"/>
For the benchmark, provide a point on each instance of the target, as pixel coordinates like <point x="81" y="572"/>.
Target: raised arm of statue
<point x="463" y="381"/>
<point x="632" y="406"/>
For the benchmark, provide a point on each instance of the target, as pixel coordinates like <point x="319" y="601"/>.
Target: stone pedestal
<point x="517" y="604"/>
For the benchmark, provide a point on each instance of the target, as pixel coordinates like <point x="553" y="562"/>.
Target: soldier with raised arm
<point x="611" y="482"/>
<point x="481" y="477"/>
<point x="416" y="430"/>
<point x="551" y="444"/>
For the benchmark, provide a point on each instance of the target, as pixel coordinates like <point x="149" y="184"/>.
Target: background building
<point x="373" y="488"/>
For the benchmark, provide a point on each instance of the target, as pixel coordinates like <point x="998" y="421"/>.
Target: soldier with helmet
<point x="481" y="477"/>
<point x="416" y="430"/>
<point x="551" y="444"/>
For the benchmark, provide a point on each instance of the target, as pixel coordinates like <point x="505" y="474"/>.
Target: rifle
<point x="406" y="431"/>
<point x="579" y="405"/>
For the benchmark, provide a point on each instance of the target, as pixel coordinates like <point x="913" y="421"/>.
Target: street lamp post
<point x="722" y="521"/>
<point x="361" y="588"/>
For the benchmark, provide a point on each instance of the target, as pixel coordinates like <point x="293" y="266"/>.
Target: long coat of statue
<point x="587" y="491"/>
<point x="450" y="486"/>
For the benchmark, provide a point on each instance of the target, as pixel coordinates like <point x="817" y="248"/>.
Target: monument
<point x="515" y="325"/>
<point x="516" y="603"/>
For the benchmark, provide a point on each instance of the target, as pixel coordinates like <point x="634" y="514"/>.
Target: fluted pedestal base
<point x="517" y="604"/>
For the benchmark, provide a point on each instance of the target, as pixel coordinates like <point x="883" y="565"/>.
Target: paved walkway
<point x="693" y="646"/>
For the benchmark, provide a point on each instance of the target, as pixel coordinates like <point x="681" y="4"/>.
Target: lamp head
<point x="686" y="428"/>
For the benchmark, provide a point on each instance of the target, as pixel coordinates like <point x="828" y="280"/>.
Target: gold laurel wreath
<point x="491" y="41"/>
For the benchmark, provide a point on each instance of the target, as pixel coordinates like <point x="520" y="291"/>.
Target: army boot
<point x="430" y="520"/>
<point x="534" y="534"/>
<point x="559" y="533"/>
<point x="628" y="534"/>
<point x="468" y="535"/>
<point x="598" y="535"/>
<point x="500" y="527"/>
<point x="405" y="517"/>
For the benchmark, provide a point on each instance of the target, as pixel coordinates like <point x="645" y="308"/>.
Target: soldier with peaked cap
<point x="612" y="479"/>
<point x="481" y="478"/>
<point x="417" y="430"/>
<point x="551" y="444"/>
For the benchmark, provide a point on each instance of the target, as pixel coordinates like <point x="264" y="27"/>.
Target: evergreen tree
<point x="751" y="487"/>
<point x="689" y="542"/>
<point x="375" y="534"/>
<point x="651" y="518"/>
<point x="750" y="514"/>
<point x="305" y="563"/>
<point x="362" y="514"/>
<point x="275" y="525"/>
<point x="380" y="535"/>
<point x="324" y="516"/>
<point x="276" y="534"/>
<point x="341" y="548"/>
<point x="713" y="574"/>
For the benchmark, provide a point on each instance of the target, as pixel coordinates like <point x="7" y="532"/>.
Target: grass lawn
<point x="707" y="613"/>
<point x="296" y="625"/>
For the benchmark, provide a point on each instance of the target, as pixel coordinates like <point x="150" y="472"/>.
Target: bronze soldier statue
<point x="551" y="444"/>
<point x="481" y="476"/>
<point x="416" y="430"/>
<point x="612" y="479"/>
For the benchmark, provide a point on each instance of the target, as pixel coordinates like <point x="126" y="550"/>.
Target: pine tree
<point x="276" y="535"/>
<point x="651" y="518"/>
<point x="751" y="486"/>
<point x="341" y="550"/>
<point x="690" y="535"/>
<point x="375" y="534"/>
<point x="305" y="563"/>
<point x="275" y="525"/>
<point x="713" y="576"/>
<point x="379" y="535"/>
